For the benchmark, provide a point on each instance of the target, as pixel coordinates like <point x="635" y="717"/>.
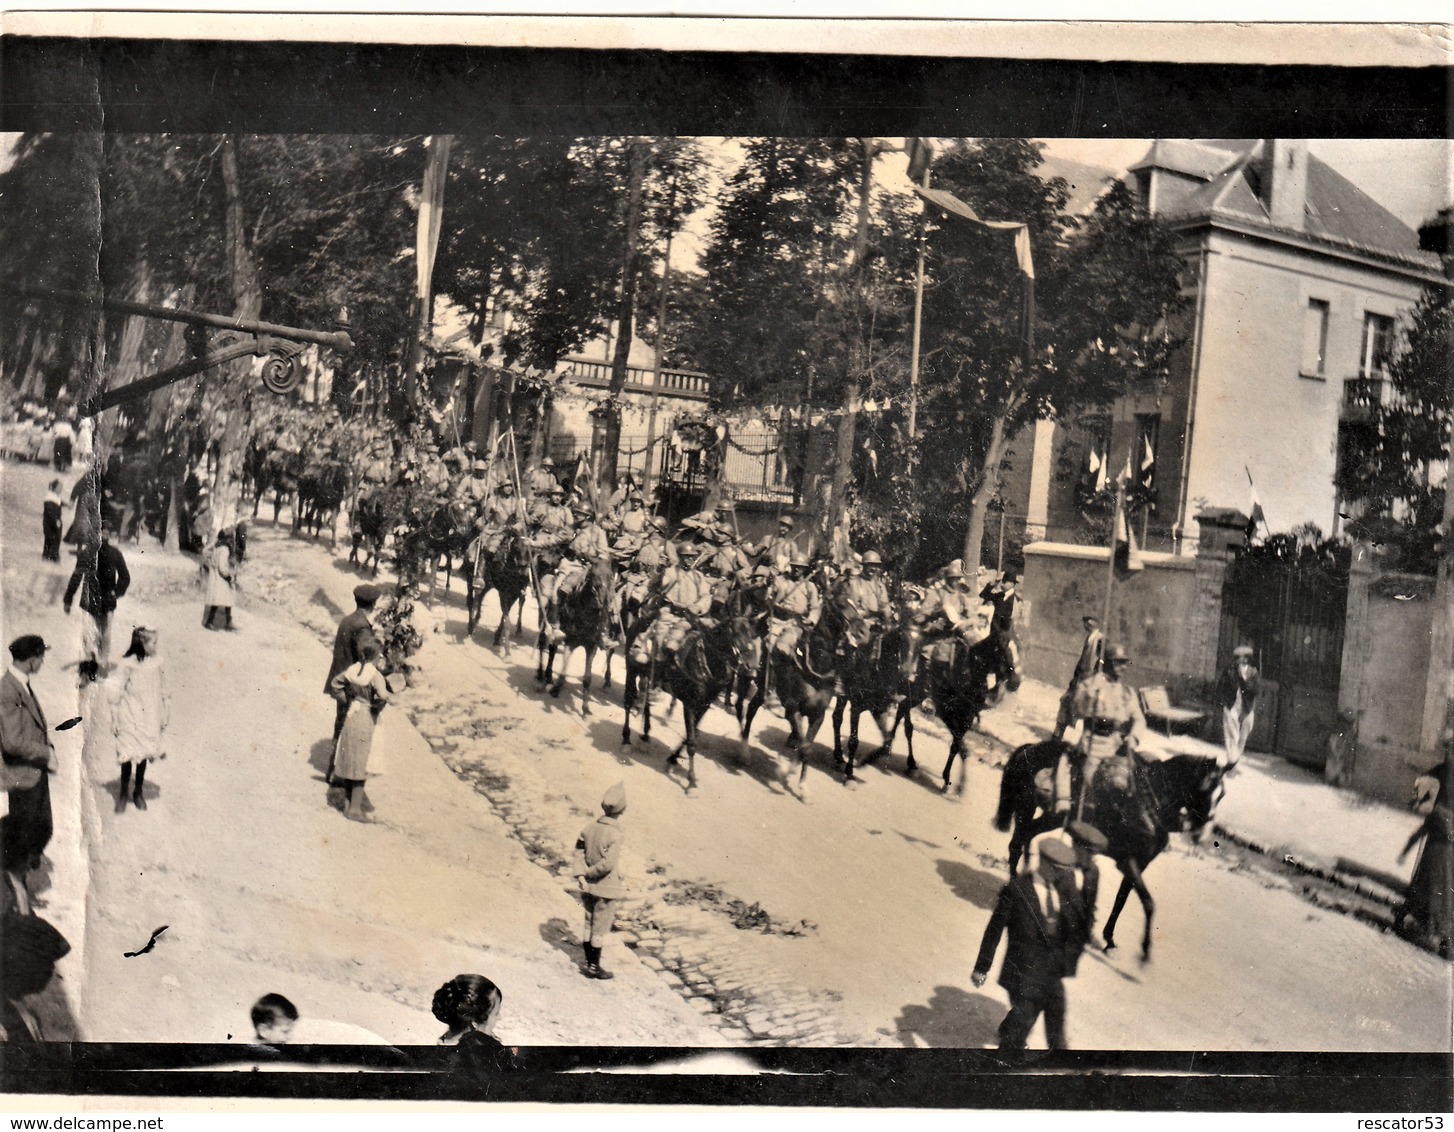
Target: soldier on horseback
<point x="502" y="513"/>
<point x="777" y="552"/>
<point x="1112" y="723"/>
<point x="588" y="551"/>
<point x="794" y="605"/>
<point x="950" y="611"/>
<point x="686" y="595"/>
<point x="543" y="483"/>
<point x="473" y="491"/>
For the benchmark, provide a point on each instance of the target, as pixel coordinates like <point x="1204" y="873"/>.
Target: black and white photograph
<point x="532" y="569"/>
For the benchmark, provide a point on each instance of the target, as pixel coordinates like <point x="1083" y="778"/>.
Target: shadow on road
<point x="953" y="1019"/>
<point x="556" y="932"/>
<point x="319" y="756"/>
<point x="980" y="888"/>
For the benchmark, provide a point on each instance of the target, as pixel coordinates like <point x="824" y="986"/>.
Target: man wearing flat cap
<point x="1045" y="919"/>
<point x="1237" y="693"/>
<point x="29" y="758"/>
<point x="354" y="631"/>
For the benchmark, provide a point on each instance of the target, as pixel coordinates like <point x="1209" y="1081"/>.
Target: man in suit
<point x="103" y="579"/>
<point x="354" y="631"/>
<point x="1237" y="693"/>
<point x="1087" y="841"/>
<point x="1045" y="918"/>
<point x="26" y="748"/>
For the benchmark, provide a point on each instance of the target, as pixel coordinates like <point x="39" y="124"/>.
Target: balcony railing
<point x="1362" y="394"/>
<point x="679" y="383"/>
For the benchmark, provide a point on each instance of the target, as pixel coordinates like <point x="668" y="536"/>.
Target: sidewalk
<point x="1273" y="806"/>
<point x="262" y="887"/>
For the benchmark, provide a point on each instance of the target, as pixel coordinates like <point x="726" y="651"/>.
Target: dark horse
<point x="803" y="683"/>
<point x="507" y="572"/>
<point x="700" y="671"/>
<point x="878" y="678"/>
<point x="370" y="526"/>
<point x="959" y="681"/>
<point x="583" y="615"/>
<point x="1169" y="796"/>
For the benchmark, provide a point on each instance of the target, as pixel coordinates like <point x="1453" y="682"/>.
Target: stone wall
<point x="1384" y="677"/>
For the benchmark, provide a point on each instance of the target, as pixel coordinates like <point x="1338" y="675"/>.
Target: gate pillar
<point x="1221" y="532"/>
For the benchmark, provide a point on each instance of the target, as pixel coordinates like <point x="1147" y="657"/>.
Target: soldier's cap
<point x="1244" y="650"/>
<point x="1057" y="852"/>
<point x="614" y="803"/>
<point x="786" y="521"/>
<point x="872" y="559"/>
<point x="1088" y="835"/>
<point x="28" y="647"/>
<point x="1118" y="653"/>
<point x="366" y="594"/>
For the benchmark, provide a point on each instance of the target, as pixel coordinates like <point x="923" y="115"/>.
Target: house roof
<point x="1086" y="182"/>
<point x="1336" y="210"/>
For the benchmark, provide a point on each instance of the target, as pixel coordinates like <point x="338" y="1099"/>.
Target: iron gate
<point x="1291" y="610"/>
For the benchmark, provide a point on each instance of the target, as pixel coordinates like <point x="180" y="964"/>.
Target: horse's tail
<point x="1009" y="780"/>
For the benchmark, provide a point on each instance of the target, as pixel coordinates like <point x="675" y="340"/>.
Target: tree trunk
<point x="636" y="157"/>
<point x="247" y="302"/>
<point x="979" y="501"/>
<point x="857" y="357"/>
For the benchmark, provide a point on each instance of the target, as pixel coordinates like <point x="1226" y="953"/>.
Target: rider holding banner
<point x="1111" y="720"/>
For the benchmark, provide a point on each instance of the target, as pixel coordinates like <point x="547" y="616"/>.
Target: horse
<point x="804" y="684"/>
<point x="321" y="489"/>
<point x="1174" y="795"/>
<point x="583" y="616"/>
<point x="748" y="613"/>
<point x="506" y="571"/>
<point x="878" y="678"/>
<point x="698" y="673"/>
<point x="370" y="526"/>
<point x="958" y="679"/>
<point x="449" y="532"/>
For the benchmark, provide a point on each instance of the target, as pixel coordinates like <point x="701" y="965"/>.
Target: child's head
<point x="143" y="642"/>
<point x="467" y="1000"/>
<point x="272" y="1018"/>
<point x="370" y="652"/>
<point x="55" y="485"/>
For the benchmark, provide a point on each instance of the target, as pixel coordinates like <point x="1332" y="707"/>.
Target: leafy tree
<point x="1103" y="285"/>
<point x="1384" y="463"/>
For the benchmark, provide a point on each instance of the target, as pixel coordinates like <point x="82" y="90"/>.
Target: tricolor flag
<point x="1255" y="513"/>
<point x="1127" y="554"/>
<point x="1147" y="481"/>
<point x="1023" y="259"/>
<point x="431" y="214"/>
<point x="1096" y="469"/>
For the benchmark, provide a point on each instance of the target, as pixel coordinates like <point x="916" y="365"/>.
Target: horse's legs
<point x="955" y="742"/>
<point x="565" y="655"/>
<point x="606" y="673"/>
<point x="540" y="647"/>
<point x="853" y="717"/>
<point x="1109" y="932"/>
<point x="1133" y="873"/>
<point x="585" y="679"/>
<point x="906" y="713"/>
<point x="504" y="617"/>
<point x="838" y="708"/>
<point x="692" y="717"/>
<point x="628" y="701"/>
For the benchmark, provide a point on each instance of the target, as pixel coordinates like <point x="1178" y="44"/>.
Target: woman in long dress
<point x="362" y="687"/>
<point x="138" y="714"/>
<point x="221" y="579"/>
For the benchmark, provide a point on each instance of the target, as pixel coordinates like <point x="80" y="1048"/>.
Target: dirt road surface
<point x="848" y="919"/>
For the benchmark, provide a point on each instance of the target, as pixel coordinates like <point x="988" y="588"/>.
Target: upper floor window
<point x="1315" y="338"/>
<point x="1377" y="345"/>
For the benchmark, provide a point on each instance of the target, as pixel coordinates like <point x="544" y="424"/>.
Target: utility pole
<point x="660" y="335"/>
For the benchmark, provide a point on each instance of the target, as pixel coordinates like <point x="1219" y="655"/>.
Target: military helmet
<point x="872" y="559"/>
<point x="800" y="560"/>
<point x="547" y="463"/>
<point x="953" y="572"/>
<point x="1117" y="652"/>
<point x="582" y="509"/>
<point x="660" y="524"/>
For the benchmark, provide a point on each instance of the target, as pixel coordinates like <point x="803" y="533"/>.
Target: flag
<point x="1124" y="479"/>
<point x="1127" y="554"/>
<point x="1096" y="471"/>
<point x="431" y="214"/>
<point x="1024" y="261"/>
<point x="921" y="156"/>
<point x="1148" y="465"/>
<point x="1254" y="506"/>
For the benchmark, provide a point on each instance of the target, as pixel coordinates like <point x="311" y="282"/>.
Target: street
<point x="850" y="918"/>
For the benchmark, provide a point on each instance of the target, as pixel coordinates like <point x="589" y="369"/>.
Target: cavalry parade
<point x="538" y="617"/>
